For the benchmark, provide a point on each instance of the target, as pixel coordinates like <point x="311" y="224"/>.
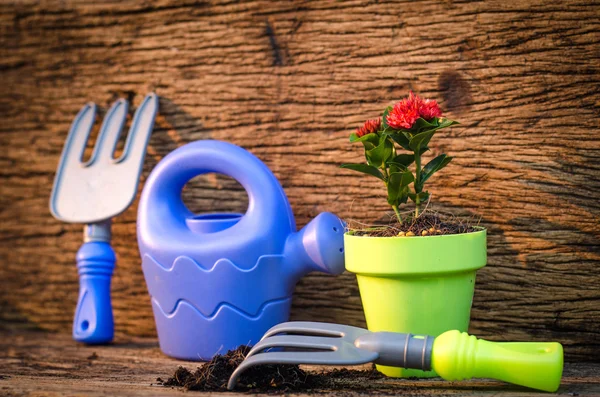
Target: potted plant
<point x="417" y="274"/>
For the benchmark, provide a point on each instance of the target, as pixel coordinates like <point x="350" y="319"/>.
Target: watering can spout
<point x="318" y="246"/>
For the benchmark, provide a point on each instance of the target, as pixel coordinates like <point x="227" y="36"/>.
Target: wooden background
<point x="289" y="81"/>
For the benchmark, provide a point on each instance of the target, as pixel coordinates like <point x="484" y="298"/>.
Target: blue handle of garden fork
<point x="93" y="323"/>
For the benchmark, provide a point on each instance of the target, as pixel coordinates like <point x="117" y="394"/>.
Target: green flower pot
<point x="419" y="285"/>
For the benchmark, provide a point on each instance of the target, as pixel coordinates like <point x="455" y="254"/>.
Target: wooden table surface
<point x="44" y="364"/>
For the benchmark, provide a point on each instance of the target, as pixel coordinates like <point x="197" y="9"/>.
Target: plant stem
<point x="418" y="188"/>
<point x="395" y="207"/>
<point x="417" y="207"/>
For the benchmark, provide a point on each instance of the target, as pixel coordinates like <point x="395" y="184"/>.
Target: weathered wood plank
<point x="41" y="364"/>
<point x="289" y="81"/>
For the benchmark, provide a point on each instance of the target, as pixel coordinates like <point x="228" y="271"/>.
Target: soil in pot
<point x="427" y="224"/>
<point x="213" y="376"/>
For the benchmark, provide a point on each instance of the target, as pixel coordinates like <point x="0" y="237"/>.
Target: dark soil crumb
<point x="93" y="356"/>
<point x="213" y="376"/>
<point x="427" y="224"/>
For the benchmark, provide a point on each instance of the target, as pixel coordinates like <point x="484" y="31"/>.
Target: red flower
<point x="407" y="111"/>
<point x="370" y="126"/>
<point x="428" y="109"/>
<point x="404" y="113"/>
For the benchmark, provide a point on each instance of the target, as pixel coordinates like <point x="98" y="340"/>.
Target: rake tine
<point x="110" y="131"/>
<point x="141" y="128"/>
<point x="78" y="136"/>
<point x="295" y="341"/>
<point x="262" y="359"/>
<point x="309" y="328"/>
<point x="303" y="327"/>
<point x="299" y="358"/>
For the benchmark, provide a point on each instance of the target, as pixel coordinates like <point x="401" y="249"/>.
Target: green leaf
<point x="434" y="166"/>
<point x="365" y="169"/>
<point x="379" y="155"/>
<point x="396" y="167"/>
<point x="368" y="137"/>
<point x="401" y="162"/>
<point x="423" y="196"/>
<point x="372" y="138"/>
<point x="401" y="140"/>
<point x="445" y="123"/>
<point x="368" y="145"/>
<point x="398" y="186"/>
<point x="420" y="141"/>
<point x="384" y="123"/>
<point x="423" y="125"/>
<point x="369" y="141"/>
<point x="401" y="197"/>
<point x="404" y="159"/>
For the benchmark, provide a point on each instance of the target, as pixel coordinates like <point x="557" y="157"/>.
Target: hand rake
<point x="453" y="355"/>
<point x="92" y="193"/>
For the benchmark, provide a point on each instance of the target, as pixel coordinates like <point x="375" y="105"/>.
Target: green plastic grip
<point x="538" y="365"/>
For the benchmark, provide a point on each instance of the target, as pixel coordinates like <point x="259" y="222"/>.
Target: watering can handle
<point x="266" y="198"/>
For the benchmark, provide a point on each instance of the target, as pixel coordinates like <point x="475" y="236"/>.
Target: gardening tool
<point x="220" y="280"/>
<point x="92" y="193"/>
<point x="453" y="355"/>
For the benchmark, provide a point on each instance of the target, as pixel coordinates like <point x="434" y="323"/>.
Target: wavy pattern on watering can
<point x="186" y="334"/>
<point x="203" y="288"/>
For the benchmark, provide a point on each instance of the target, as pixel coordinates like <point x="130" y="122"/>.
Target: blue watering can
<point x="220" y="280"/>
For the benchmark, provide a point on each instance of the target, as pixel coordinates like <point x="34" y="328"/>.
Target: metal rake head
<point x="310" y="343"/>
<point x="102" y="187"/>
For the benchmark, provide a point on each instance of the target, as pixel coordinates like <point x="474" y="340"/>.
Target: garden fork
<point x="453" y="355"/>
<point x="92" y="193"/>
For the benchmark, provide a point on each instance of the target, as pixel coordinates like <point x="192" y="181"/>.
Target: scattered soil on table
<point x="427" y="224"/>
<point x="93" y="356"/>
<point x="213" y="376"/>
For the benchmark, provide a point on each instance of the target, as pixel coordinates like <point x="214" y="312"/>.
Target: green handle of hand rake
<point x="457" y="355"/>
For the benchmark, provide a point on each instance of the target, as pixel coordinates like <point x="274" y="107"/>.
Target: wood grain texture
<point x="47" y="365"/>
<point x="289" y="81"/>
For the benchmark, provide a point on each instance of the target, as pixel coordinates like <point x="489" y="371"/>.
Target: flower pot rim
<point x="480" y="230"/>
<point x="418" y="256"/>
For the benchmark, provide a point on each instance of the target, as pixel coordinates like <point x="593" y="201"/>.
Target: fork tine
<point x="295" y="341"/>
<point x="315" y="358"/>
<point x="270" y="358"/>
<point x="141" y="128"/>
<point x="112" y="125"/>
<point x="304" y="327"/>
<point x="316" y="329"/>
<point x="78" y="136"/>
<point x="280" y="358"/>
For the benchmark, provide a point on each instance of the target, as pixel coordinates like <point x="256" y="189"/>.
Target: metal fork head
<point x="312" y="343"/>
<point x="102" y="187"/>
